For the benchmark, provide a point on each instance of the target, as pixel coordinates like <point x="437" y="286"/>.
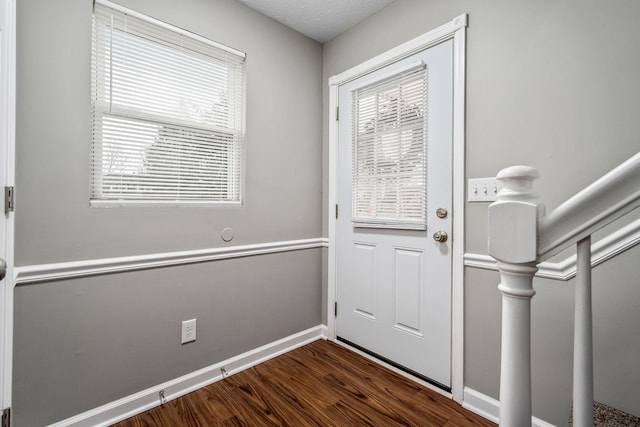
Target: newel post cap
<point x="518" y="182"/>
<point x="513" y="217"/>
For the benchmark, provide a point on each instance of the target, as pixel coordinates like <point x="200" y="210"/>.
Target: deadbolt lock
<point x="441" y="213"/>
<point x="440" y="236"/>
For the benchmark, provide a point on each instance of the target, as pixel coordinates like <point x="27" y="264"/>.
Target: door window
<point x="389" y="140"/>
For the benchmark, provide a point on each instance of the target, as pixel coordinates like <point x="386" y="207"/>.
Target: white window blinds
<point x="389" y="168"/>
<point x="167" y="112"/>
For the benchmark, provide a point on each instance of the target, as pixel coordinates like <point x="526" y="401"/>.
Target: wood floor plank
<point x="320" y="384"/>
<point x="289" y="374"/>
<point x="297" y="396"/>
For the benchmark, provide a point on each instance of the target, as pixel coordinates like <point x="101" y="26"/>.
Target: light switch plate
<point x="483" y="189"/>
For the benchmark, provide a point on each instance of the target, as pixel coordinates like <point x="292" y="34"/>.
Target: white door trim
<point x="7" y="162"/>
<point x="456" y="30"/>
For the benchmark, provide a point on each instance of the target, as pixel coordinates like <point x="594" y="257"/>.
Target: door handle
<point x="442" y="213"/>
<point x="440" y="236"/>
<point x="3" y="268"/>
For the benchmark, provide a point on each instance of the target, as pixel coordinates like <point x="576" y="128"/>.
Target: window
<point x="167" y="113"/>
<point x="390" y="151"/>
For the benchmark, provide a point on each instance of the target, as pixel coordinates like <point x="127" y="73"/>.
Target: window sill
<point x="162" y="203"/>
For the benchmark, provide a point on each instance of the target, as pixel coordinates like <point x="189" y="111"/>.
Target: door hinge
<point x="337" y="113"/>
<point x="8" y="199"/>
<point x="335" y="309"/>
<point x="6" y="417"/>
<point x="336" y="211"/>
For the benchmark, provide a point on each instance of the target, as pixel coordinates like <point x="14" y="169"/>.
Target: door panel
<point x="394" y="279"/>
<point x="408" y="280"/>
<point x="363" y="266"/>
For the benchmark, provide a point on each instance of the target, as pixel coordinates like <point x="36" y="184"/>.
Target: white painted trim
<point x="548" y="270"/>
<point x="333" y="187"/>
<point x="144" y="400"/>
<point x="433" y="37"/>
<point x="92" y="267"/>
<point x="481" y="261"/>
<point x="608" y="198"/>
<point x="332" y="271"/>
<point x="8" y="140"/>
<point x="458" y="211"/>
<point x="601" y="251"/>
<point x="456" y="30"/>
<point x="481" y="404"/>
<point x="489" y="407"/>
<point x="170" y="27"/>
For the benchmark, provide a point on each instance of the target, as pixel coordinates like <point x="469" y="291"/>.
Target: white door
<point x="394" y="193"/>
<point x="7" y="97"/>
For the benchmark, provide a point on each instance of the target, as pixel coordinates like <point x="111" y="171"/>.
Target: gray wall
<point x="552" y="85"/>
<point x="283" y="137"/>
<point x="84" y="342"/>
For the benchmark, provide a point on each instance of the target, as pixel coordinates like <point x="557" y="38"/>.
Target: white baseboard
<point x="144" y="400"/>
<point x="481" y="404"/>
<point x="489" y="407"/>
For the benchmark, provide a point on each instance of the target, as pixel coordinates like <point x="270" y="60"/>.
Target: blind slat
<point x="389" y="182"/>
<point x="167" y="112"/>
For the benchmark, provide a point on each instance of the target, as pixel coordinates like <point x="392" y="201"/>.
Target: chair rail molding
<point x="92" y="267"/>
<point x="601" y="251"/>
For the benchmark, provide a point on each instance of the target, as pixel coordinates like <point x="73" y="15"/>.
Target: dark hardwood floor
<point x="320" y="384"/>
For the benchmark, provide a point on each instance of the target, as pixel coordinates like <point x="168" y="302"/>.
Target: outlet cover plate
<point x="188" y="331"/>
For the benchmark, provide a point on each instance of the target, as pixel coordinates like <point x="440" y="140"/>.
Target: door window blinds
<point x="167" y="113"/>
<point x="389" y="181"/>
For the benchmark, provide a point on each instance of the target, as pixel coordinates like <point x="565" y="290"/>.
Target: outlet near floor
<point x="188" y="331"/>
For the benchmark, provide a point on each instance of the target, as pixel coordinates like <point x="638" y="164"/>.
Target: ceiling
<point x="320" y="20"/>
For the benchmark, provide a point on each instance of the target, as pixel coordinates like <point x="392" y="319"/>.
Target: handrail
<point x="607" y="199"/>
<point x="520" y="237"/>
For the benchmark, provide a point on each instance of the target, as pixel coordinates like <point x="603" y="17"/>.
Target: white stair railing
<point x="520" y="237"/>
<point x="583" y="339"/>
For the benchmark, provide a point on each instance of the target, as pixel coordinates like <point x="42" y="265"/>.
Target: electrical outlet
<point x="188" y="331"/>
<point x="483" y="189"/>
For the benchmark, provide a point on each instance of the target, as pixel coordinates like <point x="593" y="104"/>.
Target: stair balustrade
<point x="522" y="235"/>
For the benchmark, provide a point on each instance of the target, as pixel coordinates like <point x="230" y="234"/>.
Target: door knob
<point x="440" y="236"/>
<point x="441" y="213"/>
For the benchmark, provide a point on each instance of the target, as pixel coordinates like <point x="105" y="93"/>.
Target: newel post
<point x="513" y="235"/>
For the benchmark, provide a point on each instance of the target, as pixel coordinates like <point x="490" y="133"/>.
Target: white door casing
<point x="455" y="31"/>
<point x="7" y="155"/>
<point x="394" y="284"/>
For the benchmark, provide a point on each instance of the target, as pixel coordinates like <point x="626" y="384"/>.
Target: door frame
<point x="7" y="162"/>
<point x="454" y="30"/>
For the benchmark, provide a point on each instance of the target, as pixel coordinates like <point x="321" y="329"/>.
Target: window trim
<point x="171" y="27"/>
<point x="109" y="203"/>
